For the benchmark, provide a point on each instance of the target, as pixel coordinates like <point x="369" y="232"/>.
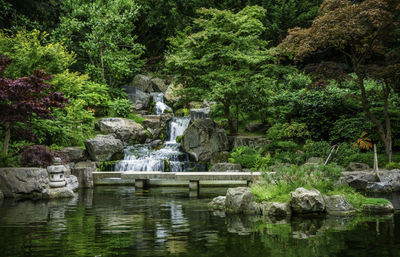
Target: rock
<point x="238" y="199"/>
<point x="142" y="82"/>
<point x="378" y="208"/>
<point x="104" y="148"/>
<point x="1" y="195"/>
<point x="304" y="201"/>
<point x="72" y="183"/>
<point x="358" y="180"/>
<point x="226" y="167"/>
<point x="203" y="139"/>
<point x="254" y="127"/>
<point x="151" y="121"/>
<point x="338" y="204"/>
<point x="171" y="94"/>
<point x="156" y="143"/>
<point x="220" y="157"/>
<point x="275" y="209"/>
<point x="396" y="186"/>
<point x="201" y="113"/>
<point x="250" y="141"/>
<point x="389" y="176"/>
<point x="217" y="203"/>
<point x="126" y="130"/>
<point x="315" y="160"/>
<point x="62" y="192"/>
<point x="84" y="173"/>
<point x="158" y="85"/>
<point x="140" y="100"/>
<point x="379" y="187"/>
<point x="254" y="208"/>
<point x="24" y="182"/>
<point x="75" y="154"/>
<point x="357" y="166"/>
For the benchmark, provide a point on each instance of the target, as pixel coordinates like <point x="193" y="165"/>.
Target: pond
<point x="122" y="221"/>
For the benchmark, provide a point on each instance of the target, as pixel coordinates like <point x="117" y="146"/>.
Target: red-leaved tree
<point x="23" y="97"/>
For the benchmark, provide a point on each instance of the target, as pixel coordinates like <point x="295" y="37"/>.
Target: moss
<point x="179" y="139"/>
<point x="148" y="133"/>
<point x="167" y="167"/>
<point x="106" y="166"/>
<point x="182" y="112"/>
<point x="136" y="118"/>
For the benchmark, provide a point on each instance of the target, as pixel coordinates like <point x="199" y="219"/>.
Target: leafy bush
<point x="316" y="149"/>
<point x="120" y="108"/>
<point x="289" y="157"/>
<point x="348" y="129"/>
<point x="292" y="131"/>
<point x="393" y="165"/>
<point x="40" y="156"/>
<point x="9" y="160"/>
<point x="245" y="156"/>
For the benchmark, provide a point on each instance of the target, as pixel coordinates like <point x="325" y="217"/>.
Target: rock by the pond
<point x="62" y="192"/>
<point x="389" y="175"/>
<point x="358" y="179"/>
<point x="156" y="143"/>
<point x="142" y="82"/>
<point x="250" y="141"/>
<point x="126" y="130"/>
<point x="226" y="167"/>
<point x="275" y="209"/>
<point x="305" y="201"/>
<point x="24" y="182"/>
<point x="158" y="85"/>
<point x="203" y="139"/>
<point x="238" y="199"/>
<point x="217" y="203"/>
<point x="254" y="126"/>
<point x="357" y="166"/>
<point x="379" y="187"/>
<point x="200" y="113"/>
<point x="84" y="173"/>
<point x="104" y="148"/>
<point x="338" y="205"/>
<point x="171" y="95"/>
<point x="72" y="183"/>
<point x="378" y="208"/>
<point x="75" y="154"/>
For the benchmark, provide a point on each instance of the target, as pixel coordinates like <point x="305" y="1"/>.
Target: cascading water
<point x="142" y="158"/>
<point x="160" y="106"/>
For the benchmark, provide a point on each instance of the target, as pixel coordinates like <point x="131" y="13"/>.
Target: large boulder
<point x="171" y="95"/>
<point x="24" y="182"/>
<point x="84" y="173"/>
<point x="238" y="200"/>
<point x="305" y="201"/>
<point x="126" y="130"/>
<point x="250" y="141"/>
<point x="379" y="187"/>
<point x="338" y="205"/>
<point x="104" y="148"/>
<point x="217" y="203"/>
<point x="389" y="176"/>
<point x="226" y="167"/>
<point x="142" y="82"/>
<point x="378" y="208"/>
<point x="275" y="209"/>
<point x="75" y="154"/>
<point x="358" y="179"/>
<point x="139" y="99"/>
<point x="158" y="85"/>
<point x="203" y="139"/>
<point x="357" y="166"/>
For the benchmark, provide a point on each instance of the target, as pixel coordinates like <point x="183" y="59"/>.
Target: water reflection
<point x="120" y="221"/>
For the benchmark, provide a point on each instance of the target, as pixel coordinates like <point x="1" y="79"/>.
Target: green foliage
<point x="9" y="160"/>
<point x="245" y="156"/>
<point x="316" y="149"/>
<point x="30" y="51"/>
<point x="182" y="112"/>
<point x="135" y="118"/>
<point x="393" y="165"/>
<point x="179" y="139"/>
<point x="290" y="131"/>
<point x="120" y="107"/>
<point x="101" y="33"/>
<point x="348" y="129"/>
<point x="284" y="180"/>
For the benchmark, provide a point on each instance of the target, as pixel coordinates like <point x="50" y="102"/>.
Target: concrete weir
<point x="143" y="179"/>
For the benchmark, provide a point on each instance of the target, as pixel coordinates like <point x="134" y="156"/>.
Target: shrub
<point x="120" y="107"/>
<point x="245" y="156"/>
<point x="316" y="149"/>
<point x="348" y="129"/>
<point x="39" y="156"/>
<point x="393" y="165"/>
<point x="292" y="131"/>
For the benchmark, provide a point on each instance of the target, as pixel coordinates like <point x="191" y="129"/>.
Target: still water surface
<point x="119" y="221"/>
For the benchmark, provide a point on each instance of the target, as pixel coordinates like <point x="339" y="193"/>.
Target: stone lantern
<point x="56" y="174"/>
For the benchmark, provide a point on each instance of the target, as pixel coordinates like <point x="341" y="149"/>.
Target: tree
<point x="102" y="34"/>
<point x="366" y="36"/>
<point x="221" y="56"/>
<point x="22" y="98"/>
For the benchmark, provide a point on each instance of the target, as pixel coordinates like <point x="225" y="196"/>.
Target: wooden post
<point x="375" y="160"/>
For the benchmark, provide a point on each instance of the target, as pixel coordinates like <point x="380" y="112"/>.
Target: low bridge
<point x="141" y="179"/>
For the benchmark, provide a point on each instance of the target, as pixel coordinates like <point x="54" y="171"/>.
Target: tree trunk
<point x="384" y="133"/>
<point x="228" y="115"/>
<point x="7" y="128"/>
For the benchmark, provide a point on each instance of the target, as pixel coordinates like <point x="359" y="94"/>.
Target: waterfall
<point x="142" y="157"/>
<point x="158" y="98"/>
